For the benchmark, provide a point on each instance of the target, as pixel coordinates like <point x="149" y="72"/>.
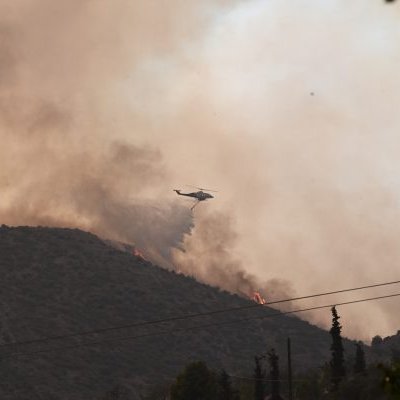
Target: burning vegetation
<point x="258" y="298"/>
<point x="137" y="253"/>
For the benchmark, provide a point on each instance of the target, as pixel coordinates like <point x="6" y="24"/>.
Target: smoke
<point x="64" y="159"/>
<point x="289" y="110"/>
<point x="208" y="254"/>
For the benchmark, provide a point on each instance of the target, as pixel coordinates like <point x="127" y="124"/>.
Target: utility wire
<point x="170" y="331"/>
<point x="189" y="316"/>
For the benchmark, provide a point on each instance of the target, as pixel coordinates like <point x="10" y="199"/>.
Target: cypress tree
<point x="338" y="370"/>
<point x="274" y="375"/>
<point x="259" y="376"/>
<point x="359" y="365"/>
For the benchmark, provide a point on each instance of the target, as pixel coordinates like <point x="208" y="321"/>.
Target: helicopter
<point x="199" y="196"/>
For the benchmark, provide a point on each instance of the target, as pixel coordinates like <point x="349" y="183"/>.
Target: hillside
<point x="60" y="281"/>
<point x="387" y="348"/>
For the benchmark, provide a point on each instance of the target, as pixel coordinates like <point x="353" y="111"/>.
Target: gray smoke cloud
<point x="289" y="110"/>
<point x="209" y="255"/>
<point x="64" y="161"/>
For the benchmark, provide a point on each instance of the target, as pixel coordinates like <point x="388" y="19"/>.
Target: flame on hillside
<point x="137" y="253"/>
<point x="258" y="298"/>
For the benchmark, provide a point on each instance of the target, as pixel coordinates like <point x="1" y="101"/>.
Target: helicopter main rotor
<point x="199" y="188"/>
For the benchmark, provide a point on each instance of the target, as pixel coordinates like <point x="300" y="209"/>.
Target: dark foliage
<point x="314" y="385"/>
<point x="225" y="389"/>
<point x="310" y="386"/>
<point x="359" y="365"/>
<point x="391" y="380"/>
<point x="386" y="349"/>
<point x="196" y="382"/>
<point x="376" y="340"/>
<point x="274" y="375"/>
<point x="259" y="379"/>
<point x="63" y="281"/>
<point x="338" y="370"/>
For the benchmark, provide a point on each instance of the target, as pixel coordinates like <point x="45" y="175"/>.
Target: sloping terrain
<point x="387" y="348"/>
<point x="62" y="281"/>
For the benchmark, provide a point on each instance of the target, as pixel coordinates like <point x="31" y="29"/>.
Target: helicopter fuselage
<point x="200" y="196"/>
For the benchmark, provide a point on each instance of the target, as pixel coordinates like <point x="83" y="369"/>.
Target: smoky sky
<point x="289" y="110"/>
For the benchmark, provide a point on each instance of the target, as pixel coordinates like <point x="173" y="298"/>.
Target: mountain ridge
<point x="58" y="281"/>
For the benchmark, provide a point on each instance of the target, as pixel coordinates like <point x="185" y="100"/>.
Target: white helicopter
<point x="201" y="195"/>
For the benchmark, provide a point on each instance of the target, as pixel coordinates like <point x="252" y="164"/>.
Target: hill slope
<point x="387" y="348"/>
<point x="60" y="281"/>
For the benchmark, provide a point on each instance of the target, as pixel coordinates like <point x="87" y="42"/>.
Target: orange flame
<point x="258" y="298"/>
<point x="137" y="253"/>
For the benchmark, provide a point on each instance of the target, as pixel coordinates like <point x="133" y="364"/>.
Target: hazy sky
<point x="289" y="108"/>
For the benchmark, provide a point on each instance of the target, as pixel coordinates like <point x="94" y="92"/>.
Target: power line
<point x="189" y="316"/>
<point x="170" y="331"/>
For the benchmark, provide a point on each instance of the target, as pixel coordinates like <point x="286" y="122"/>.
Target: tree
<point x="274" y="375"/>
<point x="196" y="382"/>
<point x="259" y="378"/>
<point x="225" y="390"/>
<point x="395" y="355"/>
<point x="338" y="370"/>
<point x="359" y="365"/>
<point x="376" y="341"/>
<point x="391" y="380"/>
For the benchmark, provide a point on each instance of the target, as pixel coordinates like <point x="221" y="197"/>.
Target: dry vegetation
<point x="60" y="281"/>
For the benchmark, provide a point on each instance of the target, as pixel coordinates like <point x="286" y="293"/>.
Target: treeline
<point x="334" y="380"/>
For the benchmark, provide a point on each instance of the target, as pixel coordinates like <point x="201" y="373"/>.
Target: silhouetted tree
<point x="274" y="376"/>
<point x="395" y="355"/>
<point x="376" y="340"/>
<point x="391" y="380"/>
<point x="259" y="379"/>
<point x="196" y="382"/>
<point x="225" y="390"/>
<point x="359" y="364"/>
<point x="338" y="370"/>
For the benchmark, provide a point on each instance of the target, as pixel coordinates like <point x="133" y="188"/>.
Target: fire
<point x="258" y="298"/>
<point x="138" y="253"/>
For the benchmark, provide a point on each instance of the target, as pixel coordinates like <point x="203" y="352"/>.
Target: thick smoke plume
<point x="208" y="254"/>
<point x="68" y="160"/>
<point x="64" y="161"/>
<point x="289" y="109"/>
